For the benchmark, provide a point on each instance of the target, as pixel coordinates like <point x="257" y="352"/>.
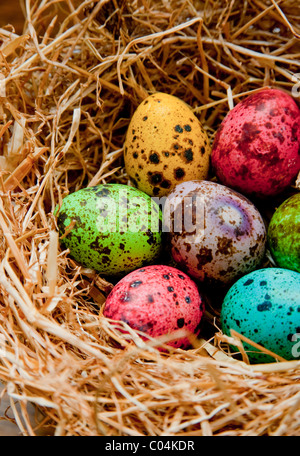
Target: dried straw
<point x="69" y="85"/>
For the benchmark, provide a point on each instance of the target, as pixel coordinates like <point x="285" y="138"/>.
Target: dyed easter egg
<point x="111" y="228"/>
<point x="157" y="300"/>
<point x="264" y="306"/>
<point x="284" y="234"/>
<point x="215" y="233"/>
<point x="256" y="148"/>
<point x="165" y="144"/>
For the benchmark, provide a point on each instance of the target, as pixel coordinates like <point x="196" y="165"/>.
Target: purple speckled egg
<point x="216" y="234"/>
<point x="256" y="148"/>
<point x="157" y="300"/>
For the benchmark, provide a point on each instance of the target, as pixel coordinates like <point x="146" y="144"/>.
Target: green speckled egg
<point x="264" y="306"/>
<point x="111" y="228"/>
<point x="284" y="234"/>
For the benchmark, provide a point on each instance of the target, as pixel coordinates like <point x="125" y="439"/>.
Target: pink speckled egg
<point x="157" y="300"/>
<point x="215" y="234"/>
<point x="256" y="148"/>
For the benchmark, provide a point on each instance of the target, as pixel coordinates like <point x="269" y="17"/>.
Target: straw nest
<point x="69" y="85"/>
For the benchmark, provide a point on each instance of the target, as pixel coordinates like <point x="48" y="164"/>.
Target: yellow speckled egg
<point x="165" y="145"/>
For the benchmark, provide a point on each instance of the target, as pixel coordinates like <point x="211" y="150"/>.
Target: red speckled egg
<point x="256" y="148"/>
<point x="157" y="300"/>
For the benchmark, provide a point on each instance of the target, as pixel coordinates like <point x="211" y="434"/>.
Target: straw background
<point x="69" y="83"/>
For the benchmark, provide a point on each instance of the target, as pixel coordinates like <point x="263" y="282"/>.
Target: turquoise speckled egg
<point x="264" y="306"/>
<point x="111" y="228"/>
<point x="284" y="234"/>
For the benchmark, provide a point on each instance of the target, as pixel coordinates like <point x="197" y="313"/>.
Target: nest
<point x="69" y="86"/>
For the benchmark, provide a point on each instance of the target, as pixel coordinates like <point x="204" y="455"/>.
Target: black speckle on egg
<point x="136" y="284"/>
<point x="178" y="129"/>
<point x="248" y="282"/>
<point x="150" y="239"/>
<point x="97" y="245"/>
<point x="187" y="299"/>
<point x="204" y="256"/>
<point x="170" y="289"/>
<point x="154" y="158"/>
<point x="266" y="305"/>
<point x="156" y="178"/>
<point x="187" y="128"/>
<point x="180" y="322"/>
<point x="105" y="259"/>
<point x="179" y="173"/>
<point x="62" y="217"/>
<point x="165" y="184"/>
<point x="103" y="192"/>
<point x="188" y="153"/>
<point x="166" y="276"/>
